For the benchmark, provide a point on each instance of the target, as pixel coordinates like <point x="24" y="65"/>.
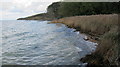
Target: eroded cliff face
<point x="52" y="13"/>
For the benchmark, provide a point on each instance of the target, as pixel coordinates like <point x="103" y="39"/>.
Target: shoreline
<point x="97" y="28"/>
<point x="87" y="37"/>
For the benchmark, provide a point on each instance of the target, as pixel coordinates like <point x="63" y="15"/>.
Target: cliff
<point x="66" y="9"/>
<point x="52" y="13"/>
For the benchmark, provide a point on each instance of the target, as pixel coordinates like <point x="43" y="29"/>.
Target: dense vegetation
<point x="67" y="9"/>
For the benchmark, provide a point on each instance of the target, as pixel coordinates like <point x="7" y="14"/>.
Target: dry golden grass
<point x="103" y="26"/>
<point x="98" y="24"/>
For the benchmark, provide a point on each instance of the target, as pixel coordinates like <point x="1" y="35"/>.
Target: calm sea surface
<point x="39" y="43"/>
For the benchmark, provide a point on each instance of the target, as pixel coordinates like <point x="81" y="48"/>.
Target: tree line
<point x="67" y="9"/>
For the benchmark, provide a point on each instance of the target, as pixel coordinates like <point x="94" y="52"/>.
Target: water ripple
<point x="39" y="43"/>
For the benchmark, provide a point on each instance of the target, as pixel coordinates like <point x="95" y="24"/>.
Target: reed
<point x="103" y="26"/>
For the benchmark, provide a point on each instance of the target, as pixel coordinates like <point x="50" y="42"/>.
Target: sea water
<point x="40" y="43"/>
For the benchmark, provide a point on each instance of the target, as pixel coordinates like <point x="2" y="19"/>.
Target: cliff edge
<point x="52" y="13"/>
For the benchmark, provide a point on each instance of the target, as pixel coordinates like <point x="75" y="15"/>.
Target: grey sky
<point x="13" y="9"/>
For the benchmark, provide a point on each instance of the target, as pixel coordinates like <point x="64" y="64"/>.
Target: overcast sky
<point x="13" y="9"/>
